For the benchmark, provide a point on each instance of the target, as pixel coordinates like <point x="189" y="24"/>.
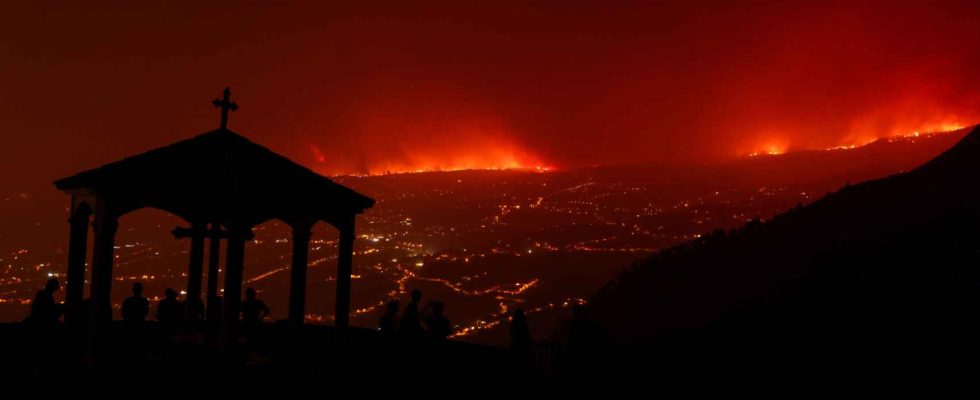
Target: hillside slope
<point x="892" y="263"/>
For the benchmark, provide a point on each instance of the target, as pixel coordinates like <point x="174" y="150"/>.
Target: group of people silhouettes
<point x="586" y="341"/>
<point x="431" y="322"/>
<point x="170" y="310"/>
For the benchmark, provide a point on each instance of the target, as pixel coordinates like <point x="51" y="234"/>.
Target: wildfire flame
<point x="495" y="156"/>
<point x="492" y="159"/>
<point x="774" y="147"/>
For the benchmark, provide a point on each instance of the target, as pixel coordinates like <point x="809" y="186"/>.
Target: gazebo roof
<point x="218" y="176"/>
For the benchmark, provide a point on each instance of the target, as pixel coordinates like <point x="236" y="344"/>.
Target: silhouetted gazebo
<point x="220" y="179"/>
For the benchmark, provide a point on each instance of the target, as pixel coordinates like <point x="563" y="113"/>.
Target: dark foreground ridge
<point x="273" y="352"/>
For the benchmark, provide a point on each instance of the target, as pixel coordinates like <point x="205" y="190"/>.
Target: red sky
<point x="407" y="85"/>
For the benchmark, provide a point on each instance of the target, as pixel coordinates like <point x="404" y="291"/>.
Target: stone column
<point x="195" y="270"/>
<point x="344" y="266"/>
<point x="105" y="225"/>
<point x="77" y="252"/>
<point x="214" y="257"/>
<point x="102" y="258"/>
<point x="234" y="269"/>
<point x="297" y="281"/>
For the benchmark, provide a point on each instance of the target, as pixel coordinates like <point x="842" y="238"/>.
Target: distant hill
<point x="889" y="266"/>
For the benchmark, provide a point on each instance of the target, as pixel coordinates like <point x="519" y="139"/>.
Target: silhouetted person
<point x="43" y="340"/>
<point x="253" y="310"/>
<point x="136" y="307"/>
<point x="44" y="311"/>
<point x="520" y="333"/>
<point x="410" y="323"/>
<point x="436" y="323"/>
<point x="169" y="310"/>
<point x="520" y="339"/>
<point x="388" y="323"/>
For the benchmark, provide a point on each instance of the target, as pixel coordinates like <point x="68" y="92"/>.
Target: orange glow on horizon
<point x="498" y="157"/>
<point x="447" y="167"/>
<point x="927" y="130"/>
<point x="771" y="148"/>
